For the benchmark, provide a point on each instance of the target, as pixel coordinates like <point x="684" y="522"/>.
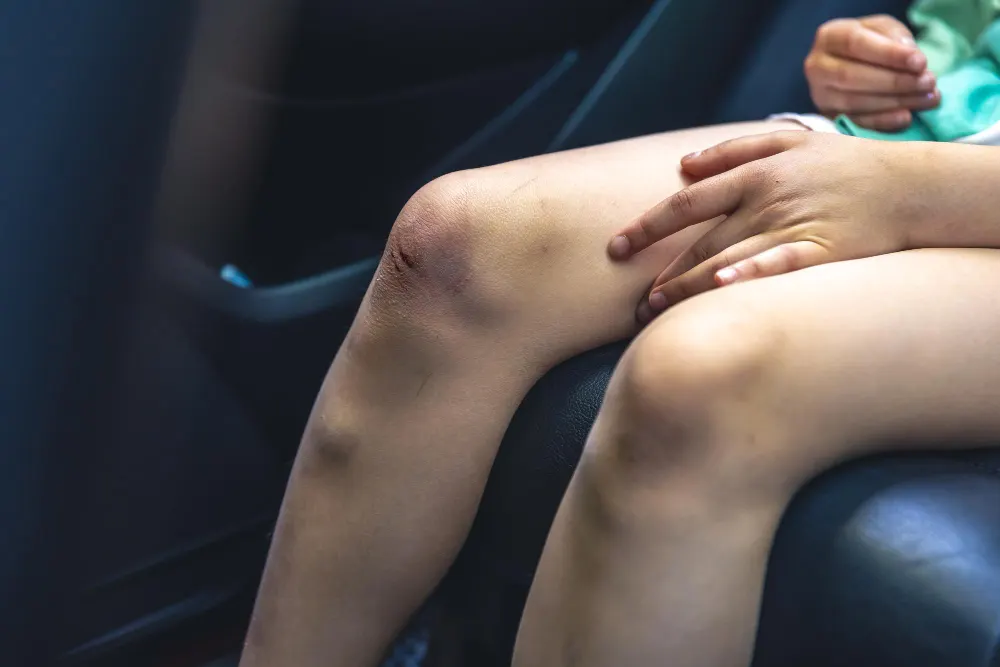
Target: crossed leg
<point x="490" y="277"/>
<point x="720" y="410"/>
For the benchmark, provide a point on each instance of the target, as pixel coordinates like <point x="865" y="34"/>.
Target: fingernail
<point x="932" y="95"/>
<point x="619" y="247"/>
<point x="907" y="40"/>
<point x="916" y="62"/>
<point x="926" y="81"/>
<point x="657" y="302"/>
<point x="690" y="156"/>
<point x="726" y="275"/>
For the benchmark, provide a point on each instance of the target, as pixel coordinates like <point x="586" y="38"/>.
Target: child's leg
<point x="721" y="409"/>
<point x="490" y="277"/>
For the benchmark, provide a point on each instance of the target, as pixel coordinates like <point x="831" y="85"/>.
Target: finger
<point x="736" y="152"/>
<point x="889" y="26"/>
<point x="775" y="260"/>
<point x="852" y="76"/>
<point x="783" y="258"/>
<point x="833" y="101"/>
<point x="714" y="245"/>
<point x="886" y="121"/>
<point x="671" y="288"/>
<point x="850" y="39"/>
<point x="699" y="202"/>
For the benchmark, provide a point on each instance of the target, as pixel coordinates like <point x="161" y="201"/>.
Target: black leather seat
<point x="891" y="561"/>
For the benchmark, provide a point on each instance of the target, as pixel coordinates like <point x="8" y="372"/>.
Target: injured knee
<point x="428" y="253"/>
<point x="450" y="254"/>
<point x="421" y="258"/>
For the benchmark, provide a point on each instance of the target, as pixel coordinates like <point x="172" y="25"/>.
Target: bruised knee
<point x="689" y="372"/>
<point x="473" y="245"/>
<point x="428" y="255"/>
<point x="691" y="405"/>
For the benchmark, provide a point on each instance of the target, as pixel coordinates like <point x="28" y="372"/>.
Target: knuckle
<point x="769" y="262"/>
<point x="841" y="75"/>
<point x="681" y="289"/>
<point x="761" y="171"/>
<point x="756" y="174"/>
<point x="645" y="226"/>
<point x="726" y="259"/>
<point x="682" y="203"/>
<point x="787" y="258"/>
<point x="701" y="252"/>
<point x="752" y="265"/>
<point x="903" y="83"/>
<point x="853" y="36"/>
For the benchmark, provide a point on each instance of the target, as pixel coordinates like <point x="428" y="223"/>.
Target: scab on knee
<point x="428" y="258"/>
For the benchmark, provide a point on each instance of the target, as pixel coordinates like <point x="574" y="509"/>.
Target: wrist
<point x="951" y="197"/>
<point x="919" y="195"/>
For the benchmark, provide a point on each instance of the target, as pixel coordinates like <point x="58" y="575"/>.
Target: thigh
<point x="893" y="351"/>
<point x="544" y="223"/>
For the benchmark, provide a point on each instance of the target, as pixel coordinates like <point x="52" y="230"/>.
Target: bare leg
<point x="718" y="413"/>
<point x="478" y="293"/>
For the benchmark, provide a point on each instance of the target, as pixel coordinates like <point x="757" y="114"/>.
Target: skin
<point x="870" y="69"/>
<point x="721" y="410"/>
<point x="735" y="396"/>
<point x="794" y="200"/>
<point x="493" y="276"/>
<point x="476" y="297"/>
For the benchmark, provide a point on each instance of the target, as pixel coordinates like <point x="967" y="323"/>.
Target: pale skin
<point x="836" y="300"/>
<point x="712" y="419"/>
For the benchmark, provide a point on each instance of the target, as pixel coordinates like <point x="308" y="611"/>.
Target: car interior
<point x="194" y="196"/>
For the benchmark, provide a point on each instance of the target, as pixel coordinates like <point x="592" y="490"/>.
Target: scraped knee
<point x="428" y="259"/>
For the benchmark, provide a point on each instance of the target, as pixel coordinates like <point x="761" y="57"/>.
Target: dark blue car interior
<point x="150" y="409"/>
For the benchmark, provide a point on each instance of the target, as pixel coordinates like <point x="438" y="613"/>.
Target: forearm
<point x="956" y="196"/>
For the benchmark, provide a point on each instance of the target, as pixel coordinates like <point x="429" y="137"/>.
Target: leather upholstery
<point x="892" y="561"/>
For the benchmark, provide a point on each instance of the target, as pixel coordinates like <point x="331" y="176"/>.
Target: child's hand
<point x="792" y="200"/>
<point x="871" y="70"/>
